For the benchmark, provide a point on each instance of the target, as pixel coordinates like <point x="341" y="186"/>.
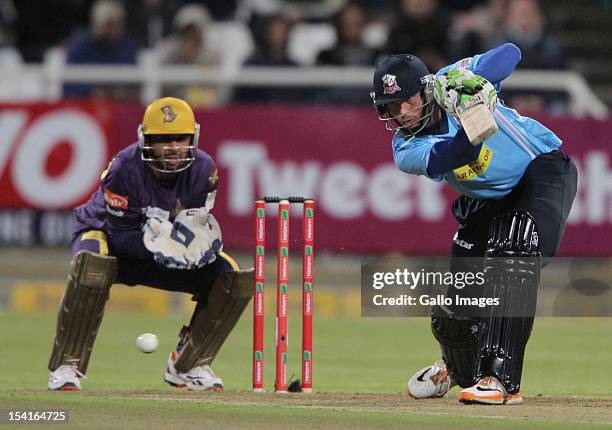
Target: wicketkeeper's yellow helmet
<point x="168" y="116"/>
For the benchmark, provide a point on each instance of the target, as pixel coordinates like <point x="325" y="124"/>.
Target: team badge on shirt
<point x="390" y="85"/>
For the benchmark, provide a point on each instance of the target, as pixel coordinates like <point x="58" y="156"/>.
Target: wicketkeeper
<point x="516" y="189"/>
<point x="150" y="223"/>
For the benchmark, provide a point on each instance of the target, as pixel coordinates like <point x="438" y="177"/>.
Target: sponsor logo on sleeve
<point x="115" y="201"/>
<point x="476" y="168"/>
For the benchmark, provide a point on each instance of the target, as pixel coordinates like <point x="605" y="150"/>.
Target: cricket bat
<point x="476" y="118"/>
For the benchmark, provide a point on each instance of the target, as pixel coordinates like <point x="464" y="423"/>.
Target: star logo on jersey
<point x="213" y="179"/>
<point x="169" y="114"/>
<point x="178" y="207"/>
<point x="390" y="85"/>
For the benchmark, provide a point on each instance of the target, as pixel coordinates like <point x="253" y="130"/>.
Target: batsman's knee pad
<point x="512" y="264"/>
<point x="515" y="235"/>
<point x="82" y="308"/>
<point x="512" y="273"/>
<point x="215" y="318"/>
<point x="458" y="338"/>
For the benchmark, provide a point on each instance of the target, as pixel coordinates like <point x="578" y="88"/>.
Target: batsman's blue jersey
<point x="503" y="157"/>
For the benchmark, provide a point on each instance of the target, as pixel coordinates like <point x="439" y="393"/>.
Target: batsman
<point x="150" y="223"/>
<point x="516" y="190"/>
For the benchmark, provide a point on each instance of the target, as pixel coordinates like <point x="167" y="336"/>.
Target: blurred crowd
<point x="268" y="33"/>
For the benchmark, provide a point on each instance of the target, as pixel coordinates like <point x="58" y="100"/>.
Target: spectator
<point x="419" y="32"/>
<point x="220" y="10"/>
<point x="524" y="26"/>
<point x="8" y="22"/>
<point x="476" y="29"/>
<point x="315" y="10"/>
<point x="378" y="9"/>
<point x="43" y="24"/>
<point x="104" y="43"/>
<point x="189" y="45"/>
<point x="149" y="21"/>
<point x="349" y="49"/>
<point x="296" y="10"/>
<point x="272" y="52"/>
<point x="256" y="14"/>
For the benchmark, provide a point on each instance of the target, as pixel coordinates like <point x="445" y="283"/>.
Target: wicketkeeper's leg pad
<point x="512" y="273"/>
<point x="215" y="319"/>
<point x="82" y="308"/>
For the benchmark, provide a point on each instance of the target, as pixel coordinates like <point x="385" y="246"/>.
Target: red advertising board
<point x="51" y="156"/>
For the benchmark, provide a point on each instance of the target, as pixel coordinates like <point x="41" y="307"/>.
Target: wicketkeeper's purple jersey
<point x="129" y="194"/>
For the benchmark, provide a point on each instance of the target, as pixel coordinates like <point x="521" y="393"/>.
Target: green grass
<point x="565" y="357"/>
<point x="144" y="414"/>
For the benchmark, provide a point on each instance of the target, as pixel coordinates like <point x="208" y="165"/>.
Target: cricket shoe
<point x="489" y="391"/>
<point x="200" y="378"/>
<point x="65" y="378"/>
<point x="430" y="382"/>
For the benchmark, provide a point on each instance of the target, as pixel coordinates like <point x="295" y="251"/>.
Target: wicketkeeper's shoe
<point x="65" y="378"/>
<point x="489" y="391"/>
<point x="430" y="382"/>
<point x="198" y="378"/>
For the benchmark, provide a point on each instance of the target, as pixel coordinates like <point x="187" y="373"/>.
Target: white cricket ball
<point x="147" y="343"/>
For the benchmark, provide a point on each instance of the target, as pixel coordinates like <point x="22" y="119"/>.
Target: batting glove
<point x="456" y="86"/>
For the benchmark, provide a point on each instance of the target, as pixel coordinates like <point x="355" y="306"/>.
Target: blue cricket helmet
<point x="397" y="78"/>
